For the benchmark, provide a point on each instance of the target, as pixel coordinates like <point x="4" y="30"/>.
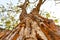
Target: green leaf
<point x="2" y="19"/>
<point x="8" y="23"/>
<point x="12" y="18"/>
<point x="10" y="28"/>
<point x="56" y="21"/>
<point x="47" y="15"/>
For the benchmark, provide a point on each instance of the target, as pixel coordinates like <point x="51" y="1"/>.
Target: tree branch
<point x="24" y="12"/>
<point x="39" y="5"/>
<point x="36" y="10"/>
<point x="43" y="1"/>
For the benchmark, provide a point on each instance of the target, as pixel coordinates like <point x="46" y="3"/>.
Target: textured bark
<point x="32" y="26"/>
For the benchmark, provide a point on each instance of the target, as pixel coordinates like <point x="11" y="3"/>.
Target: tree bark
<point x="33" y="26"/>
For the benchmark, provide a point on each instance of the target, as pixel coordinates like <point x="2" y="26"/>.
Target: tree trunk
<point x="32" y="26"/>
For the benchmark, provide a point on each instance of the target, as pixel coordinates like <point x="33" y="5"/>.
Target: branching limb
<point x="36" y="10"/>
<point x="43" y="1"/>
<point x="24" y="12"/>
